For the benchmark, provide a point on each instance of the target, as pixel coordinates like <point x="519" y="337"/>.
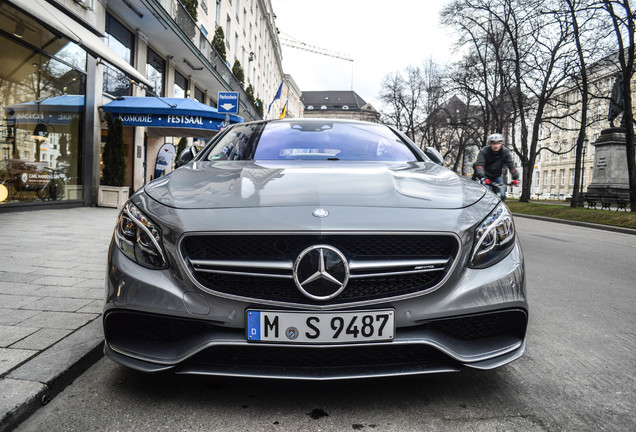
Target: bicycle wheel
<point x="56" y="190"/>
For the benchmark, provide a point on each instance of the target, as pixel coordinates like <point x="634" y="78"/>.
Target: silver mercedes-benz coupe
<point x="314" y="249"/>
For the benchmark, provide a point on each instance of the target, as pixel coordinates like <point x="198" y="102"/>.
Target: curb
<point x="579" y="223"/>
<point x="44" y="376"/>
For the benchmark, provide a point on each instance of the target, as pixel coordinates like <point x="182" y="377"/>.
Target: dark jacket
<point x="490" y="163"/>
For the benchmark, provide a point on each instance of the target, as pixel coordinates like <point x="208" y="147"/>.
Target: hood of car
<point x="236" y="184"/>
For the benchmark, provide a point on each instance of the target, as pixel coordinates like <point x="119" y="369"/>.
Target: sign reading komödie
<point x="163" y="120"/>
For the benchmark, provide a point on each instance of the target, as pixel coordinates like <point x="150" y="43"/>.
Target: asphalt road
<point x="578" y="373"/>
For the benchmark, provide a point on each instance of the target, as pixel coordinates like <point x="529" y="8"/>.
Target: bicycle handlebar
<point x="492" y="183"/>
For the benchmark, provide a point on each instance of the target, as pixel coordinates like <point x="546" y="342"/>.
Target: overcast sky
<point x="381" y="36"/>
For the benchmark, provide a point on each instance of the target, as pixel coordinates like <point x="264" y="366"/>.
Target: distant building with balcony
<point x="345" y="104"/>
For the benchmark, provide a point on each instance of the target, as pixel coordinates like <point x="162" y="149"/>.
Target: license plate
<point x="320" y="327"/>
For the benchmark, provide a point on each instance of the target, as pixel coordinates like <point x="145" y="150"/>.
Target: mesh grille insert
<point x="286" y="248"/>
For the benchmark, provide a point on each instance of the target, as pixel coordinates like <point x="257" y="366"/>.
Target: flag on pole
<point x="284" y="112"/>
<point x="277" y="96"/>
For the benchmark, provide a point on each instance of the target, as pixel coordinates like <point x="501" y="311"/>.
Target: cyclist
<point x="490" y="162"/>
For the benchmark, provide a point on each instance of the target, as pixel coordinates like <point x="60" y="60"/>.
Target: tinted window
<point x="331" y="140"/>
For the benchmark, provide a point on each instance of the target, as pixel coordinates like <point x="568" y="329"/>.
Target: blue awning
<point x="169" y="116"/>
<point x="54" y="110"/>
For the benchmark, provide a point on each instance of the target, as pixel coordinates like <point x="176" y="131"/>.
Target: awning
<point x="170" y="116"/>
<point x="65" y="25"/>
<point x="55" y="110"/>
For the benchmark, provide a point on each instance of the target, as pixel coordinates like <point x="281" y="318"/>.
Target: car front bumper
<point x="154" y="320"/>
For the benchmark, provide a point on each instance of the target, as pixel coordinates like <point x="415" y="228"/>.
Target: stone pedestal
<point x="610" y="163"/>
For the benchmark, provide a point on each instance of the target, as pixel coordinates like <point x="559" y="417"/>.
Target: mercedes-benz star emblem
<point x="321" y="272"/>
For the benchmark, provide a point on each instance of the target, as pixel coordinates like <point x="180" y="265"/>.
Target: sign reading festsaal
<point x="228" y="102"/>
<point x="155" y="120"/>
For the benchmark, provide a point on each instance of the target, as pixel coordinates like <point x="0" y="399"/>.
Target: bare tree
<point x="411" y="97"/>
<point x="435" y="94"/>
<point x="405" y="95"/>
<point x="531" y="60"/>
<point x="392" y="89"/>
<point x="584" y="38"/>
<point x="622" y="20"/>
<point x="480" y="76"/>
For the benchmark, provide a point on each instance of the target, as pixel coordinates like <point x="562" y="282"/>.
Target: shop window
<point x="42" y="102"/>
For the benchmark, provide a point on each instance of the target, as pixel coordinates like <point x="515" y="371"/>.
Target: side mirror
<point x="187" y="155"/>
<point x="433" y="154"/>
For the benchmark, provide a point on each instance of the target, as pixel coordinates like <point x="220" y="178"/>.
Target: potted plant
<point x="113" y="192"/>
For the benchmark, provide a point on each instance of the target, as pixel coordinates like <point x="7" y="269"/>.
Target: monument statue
<point x="610" y="174"/>
<point x="617" y="101"/>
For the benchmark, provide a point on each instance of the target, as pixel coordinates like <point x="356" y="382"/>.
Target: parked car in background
<point x="544" y="196"/>
<point x="314" y="249"/>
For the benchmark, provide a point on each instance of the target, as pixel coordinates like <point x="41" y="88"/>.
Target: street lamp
<point x="583" y="152"/>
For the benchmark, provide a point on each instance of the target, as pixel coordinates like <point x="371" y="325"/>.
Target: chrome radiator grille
<point x="260" y="266"/>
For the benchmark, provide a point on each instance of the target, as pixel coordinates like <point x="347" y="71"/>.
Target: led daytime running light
<point x="142" y="222"/>
<point x="495" y="233"/>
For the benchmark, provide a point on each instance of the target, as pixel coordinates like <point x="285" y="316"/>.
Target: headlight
<point x="139" y="238"/>
<point x="494" y="238"/>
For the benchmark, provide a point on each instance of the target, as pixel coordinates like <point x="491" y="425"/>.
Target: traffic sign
<point x="228" y="102"/>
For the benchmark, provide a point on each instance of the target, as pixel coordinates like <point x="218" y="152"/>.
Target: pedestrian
<point x="490" y="163"/>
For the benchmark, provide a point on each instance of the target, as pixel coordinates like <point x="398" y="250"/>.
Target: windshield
<point x="321" y="139"/>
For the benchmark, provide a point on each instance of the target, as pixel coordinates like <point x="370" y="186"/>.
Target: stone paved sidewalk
<point x="52" y="270"/>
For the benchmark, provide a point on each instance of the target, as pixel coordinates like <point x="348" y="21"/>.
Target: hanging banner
<point x="164" y="157"/>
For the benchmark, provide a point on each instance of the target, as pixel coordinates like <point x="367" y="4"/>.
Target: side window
<point x="235" y="145"/>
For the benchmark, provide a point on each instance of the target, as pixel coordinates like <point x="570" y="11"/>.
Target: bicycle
<point x="55" y="187"/>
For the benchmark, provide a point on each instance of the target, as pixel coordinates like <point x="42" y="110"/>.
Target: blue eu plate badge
<point x="253" y="325"/>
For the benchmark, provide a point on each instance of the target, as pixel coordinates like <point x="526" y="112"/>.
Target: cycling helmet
<point x="496" y="137"/>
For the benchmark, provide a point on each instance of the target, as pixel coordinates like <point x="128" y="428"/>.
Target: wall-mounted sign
<point x="228" y="102"/>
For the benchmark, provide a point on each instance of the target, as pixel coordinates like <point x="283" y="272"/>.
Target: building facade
<point x="555" y="165"/>
<point x="290" y="99"/>
<point x="64" y="59"/>
<point x="251" y="38"/>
